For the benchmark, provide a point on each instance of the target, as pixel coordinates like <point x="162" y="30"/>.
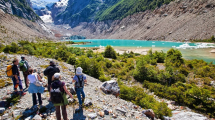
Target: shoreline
<point x="181" y="41"/>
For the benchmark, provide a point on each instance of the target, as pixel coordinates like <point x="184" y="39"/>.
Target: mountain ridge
<point x="177" y="21"/>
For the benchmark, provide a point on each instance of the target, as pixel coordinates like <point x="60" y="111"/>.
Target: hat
<point x="22" y="57"/>
<point x="79" y="71"/>
<point x="57" y="75"/>
<point x="52" y="62"/>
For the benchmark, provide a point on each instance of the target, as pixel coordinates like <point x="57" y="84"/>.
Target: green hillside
<point x="123" y="8"/>
<point x="96" y="10"/>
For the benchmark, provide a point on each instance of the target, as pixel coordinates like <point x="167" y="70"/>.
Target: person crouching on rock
<point x="79" y="80"/>
<point x="58" y="92"/>
<point x="34" y="88"/>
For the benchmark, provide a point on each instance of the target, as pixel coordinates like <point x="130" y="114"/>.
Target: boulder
<point x="88" y="102"/>
<point x="37" y="117"/>
<point x="110" y="87"/>
<point x="149" y="113"/>
<point x="92" y="115"/>
<point x="123" y="111"/>
<point x="182" y="115"/>
<point x="2" y="110"/>
<point x="101" y="113"/>
<point x="16" y="113"/>
<point x="5" y="117"/>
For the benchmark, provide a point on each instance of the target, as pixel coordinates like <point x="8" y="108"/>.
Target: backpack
<point x="80" y="83"/>
<point x="23" y="66"/>
<point x="9" y="71"/>
<point x="56" y="94"/>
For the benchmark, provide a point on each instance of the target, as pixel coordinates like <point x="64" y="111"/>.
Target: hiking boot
<point x="82" y="99"/>
<point x="22" y="94"/>
<point x="80" y="106"/>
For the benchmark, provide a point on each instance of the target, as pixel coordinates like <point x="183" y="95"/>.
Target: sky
<point x="51" y="0"/>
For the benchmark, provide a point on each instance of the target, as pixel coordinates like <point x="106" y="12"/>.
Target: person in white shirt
<point x="34" y="89"/>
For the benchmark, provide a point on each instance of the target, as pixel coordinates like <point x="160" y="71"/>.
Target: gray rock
<point x="121" y="110"/>
<point x="37" y="117"/>
<point x="188" y="116"/>
<point x="5" y="117"/>
<point x="166" y="118"/>
<point x="149" y="113"/>
<point x="92" y="115"/>
<point x="88" y="102"/>
<point x="106" y="112"/>
<point x="110" y="87"/>
<point x="2" y="110"/>
<point x="16" y="113"/>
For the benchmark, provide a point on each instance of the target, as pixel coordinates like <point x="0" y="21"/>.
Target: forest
<point x="187" y="82"/>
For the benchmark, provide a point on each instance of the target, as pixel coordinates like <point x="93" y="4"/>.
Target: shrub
<point x="110" y="52"/>
<point x="29" y="48"/>
<point x="71" y="60"/>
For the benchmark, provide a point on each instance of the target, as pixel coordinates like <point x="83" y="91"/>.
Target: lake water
<point x="158" y="45"/>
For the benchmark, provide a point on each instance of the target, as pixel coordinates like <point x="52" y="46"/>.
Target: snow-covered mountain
<point x="48" y="10"/>
<point x="39" y="4"/>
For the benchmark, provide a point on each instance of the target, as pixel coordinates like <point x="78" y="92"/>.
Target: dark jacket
<point x="50" y="71"/>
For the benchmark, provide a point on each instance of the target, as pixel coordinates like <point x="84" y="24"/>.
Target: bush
<point x="108" y="63"/>
<point x="89" y="53"/>
<point x="139" y="97"/>
<point x="103" y="78"/>
<point x="29" y="48"/>
<point x="110" y="52"/>
<point x="71" y="60"/>
<point x="1" y="47"/>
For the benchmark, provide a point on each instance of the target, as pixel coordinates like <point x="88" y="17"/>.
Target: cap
<point x="52" y="62"/>
<point x="22" y="57"/>
<point x="57" y="75"/>
<point x="79" y="71"/>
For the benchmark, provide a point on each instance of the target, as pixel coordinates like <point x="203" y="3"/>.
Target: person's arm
<point x="65" y="89"/>
<point x="38" y="77"/>
<point x="85" y="79"/>
<point x="58" y="70"/>
<point x="28" y="80"/>
<point x="46" y="71"/>
<point x="17" y="80"/>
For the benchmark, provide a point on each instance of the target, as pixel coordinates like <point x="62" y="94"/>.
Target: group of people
<point x="32" y="79"/>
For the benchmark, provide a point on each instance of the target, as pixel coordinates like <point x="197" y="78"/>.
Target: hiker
<point x="50" y="71"/>
<point x="57" y="84"/>
<point x="23" y="65"/>
<point x="16" y="78"/>
<point x="33" y="88"/>
<point x="79" y="80"/>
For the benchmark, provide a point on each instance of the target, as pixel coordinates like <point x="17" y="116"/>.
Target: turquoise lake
<point x="156" y="45"/>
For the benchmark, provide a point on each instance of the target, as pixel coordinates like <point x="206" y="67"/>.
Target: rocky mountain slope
<point x="19" y="21"/>
<point x="104" y="106"/>
<point x="179" y="20"/>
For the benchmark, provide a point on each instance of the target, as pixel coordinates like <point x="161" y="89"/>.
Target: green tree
<point x="110" y="52"/>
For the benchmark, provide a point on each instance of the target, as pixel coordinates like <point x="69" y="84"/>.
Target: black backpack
<point x="80" y="83"/>
<point x="57" y="94"/>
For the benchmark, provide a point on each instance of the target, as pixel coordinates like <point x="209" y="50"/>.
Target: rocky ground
<point x="104" y="107"/>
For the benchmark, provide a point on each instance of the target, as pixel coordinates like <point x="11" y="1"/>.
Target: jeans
<point x="18" y="84"/>
<point x="80" y="91"/>
<point x="35" y="98"/>
<point x="64" y="113"/>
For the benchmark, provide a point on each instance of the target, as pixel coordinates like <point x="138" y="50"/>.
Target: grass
<point x="5" y="82"/>
<point x="44" y="66"/>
